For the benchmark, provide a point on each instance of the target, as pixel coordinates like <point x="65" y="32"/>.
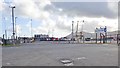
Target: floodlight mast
<point x="13" y="23"/>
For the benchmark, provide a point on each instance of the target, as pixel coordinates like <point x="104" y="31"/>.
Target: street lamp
<point x="81" y="33"/>
<point x="13" y="23"/>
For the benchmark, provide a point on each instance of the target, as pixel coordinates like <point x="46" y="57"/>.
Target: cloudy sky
<point x="54" y="17"/>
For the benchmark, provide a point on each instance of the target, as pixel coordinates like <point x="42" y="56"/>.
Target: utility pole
<point x="13" y="24"/>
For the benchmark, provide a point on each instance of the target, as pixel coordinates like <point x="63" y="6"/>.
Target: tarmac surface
<point x="60" y="54"/>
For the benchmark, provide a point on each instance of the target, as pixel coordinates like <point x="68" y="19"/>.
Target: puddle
<point x="67" y="62"/>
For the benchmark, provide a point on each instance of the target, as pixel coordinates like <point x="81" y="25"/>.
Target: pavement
<point x="51" y="53"/>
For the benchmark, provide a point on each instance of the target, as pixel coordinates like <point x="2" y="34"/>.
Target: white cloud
<point x="1" y="5"/>
<point x="56" y="19"/>
<point x="32" y="9"/>
<point x="112" y="24"/>
<point x="91" y="23"/>
<point x="113" y="0"/>
<point x="60" y="9"/>
<point x="43" y="3"/>
<point x="113" y="6"/>
<point x="39" y="30"/>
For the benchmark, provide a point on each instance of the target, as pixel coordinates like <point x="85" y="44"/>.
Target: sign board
<point x="105" y="29"/>
<point x="101" y="30"/>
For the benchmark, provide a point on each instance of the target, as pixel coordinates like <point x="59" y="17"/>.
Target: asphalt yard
<point x="60" y="54"/>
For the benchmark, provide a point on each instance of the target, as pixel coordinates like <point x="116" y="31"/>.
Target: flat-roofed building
<point x="41" y="37"/>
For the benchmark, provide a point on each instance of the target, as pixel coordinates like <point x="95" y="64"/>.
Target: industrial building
<point x="41" y="37"/>
<point x="111" y="37"/>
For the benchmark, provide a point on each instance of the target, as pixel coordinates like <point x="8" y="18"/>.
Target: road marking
<point x="67" y="62"/>
<point x="81" y="58"/>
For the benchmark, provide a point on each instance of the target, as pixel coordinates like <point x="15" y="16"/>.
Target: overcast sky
<point x="55" y="17"/>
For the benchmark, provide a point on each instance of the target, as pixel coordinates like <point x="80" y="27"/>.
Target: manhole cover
<point x="67" y="62"/>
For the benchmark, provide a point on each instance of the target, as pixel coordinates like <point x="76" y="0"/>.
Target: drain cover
<point x="67" y="62"/>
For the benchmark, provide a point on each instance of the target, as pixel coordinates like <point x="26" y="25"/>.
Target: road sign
<point x="101" y="30"/>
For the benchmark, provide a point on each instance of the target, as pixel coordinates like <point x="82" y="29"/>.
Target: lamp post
<point x="13" y="23"/>
<point x="82" y="36"/>
<point x="16" y="26"/>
